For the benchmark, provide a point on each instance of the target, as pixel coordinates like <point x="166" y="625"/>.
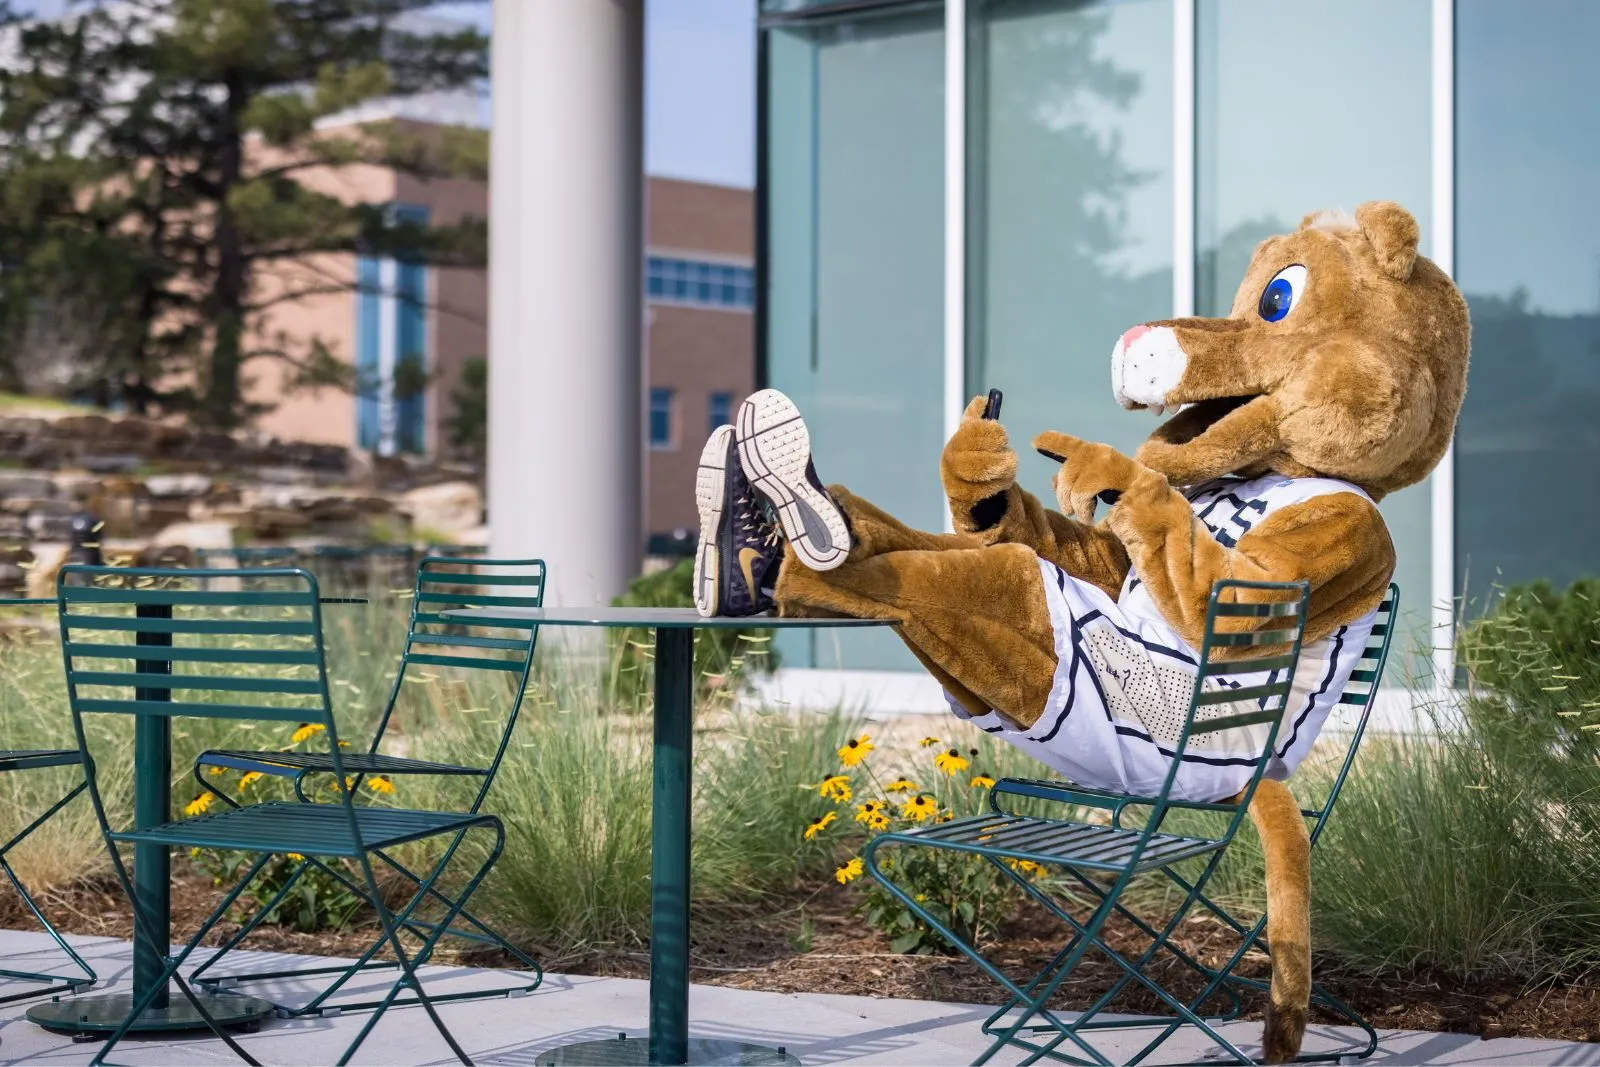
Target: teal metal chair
<point x="1259" y="627"/>
<point x="432" y="644"/>
<point x="253" y="654"/>
<point x="19" y="760"/>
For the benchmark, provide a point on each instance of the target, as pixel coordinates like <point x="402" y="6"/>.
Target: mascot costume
<point x="1336" y="378"/>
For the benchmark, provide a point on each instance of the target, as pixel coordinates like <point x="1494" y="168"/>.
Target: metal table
<point x="152" y="881"/>
<point x="669" y="1041"/>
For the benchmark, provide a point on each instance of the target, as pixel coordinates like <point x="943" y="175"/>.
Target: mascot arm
<point x="979" y="471"/>
<point x="1338" y="542"/>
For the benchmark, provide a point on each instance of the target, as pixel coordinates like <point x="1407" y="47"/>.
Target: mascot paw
<point x="1089" y="472"/>
<point x="978" y="462"/>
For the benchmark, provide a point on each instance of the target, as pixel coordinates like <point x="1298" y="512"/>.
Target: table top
<point x="655" y="618"/>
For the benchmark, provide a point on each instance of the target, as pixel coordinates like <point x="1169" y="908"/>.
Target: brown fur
<point x="1362" y="381"/>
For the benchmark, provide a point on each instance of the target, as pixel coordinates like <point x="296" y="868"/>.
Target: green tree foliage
<point x="469" y="420"/>
<point x="165" y="156"/>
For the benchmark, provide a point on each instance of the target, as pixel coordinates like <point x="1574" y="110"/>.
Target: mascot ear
<point x="1393" y="234"/>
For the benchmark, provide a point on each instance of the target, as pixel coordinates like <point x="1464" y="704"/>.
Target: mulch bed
<point x="813" y="943"/>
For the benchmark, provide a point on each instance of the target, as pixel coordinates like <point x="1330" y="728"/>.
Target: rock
<point x="447" y="509"/>
<point x="47" y="560"/>
<point x="26" y="484"/>
<point x="182" y="485"/>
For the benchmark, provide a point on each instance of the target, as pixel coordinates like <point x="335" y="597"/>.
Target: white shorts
<point x="1122" y="689"/>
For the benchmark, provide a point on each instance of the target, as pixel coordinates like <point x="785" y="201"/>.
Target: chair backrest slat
<point x="436" y="642"/>
<point x="174" y="709"/>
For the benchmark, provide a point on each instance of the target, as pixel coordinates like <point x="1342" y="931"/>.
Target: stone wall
<point x="162" y="491"/>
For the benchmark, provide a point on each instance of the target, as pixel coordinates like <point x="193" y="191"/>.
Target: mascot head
<point x="1345" y="355"/>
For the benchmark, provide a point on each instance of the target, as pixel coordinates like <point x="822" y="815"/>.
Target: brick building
<point x="699" y="336"/>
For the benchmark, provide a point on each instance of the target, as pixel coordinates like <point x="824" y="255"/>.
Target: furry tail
<point x="1288" y="854"/>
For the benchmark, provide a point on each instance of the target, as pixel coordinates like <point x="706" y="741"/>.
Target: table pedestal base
<point x="101" y="1014"/>
<point x="635" y="1052"/>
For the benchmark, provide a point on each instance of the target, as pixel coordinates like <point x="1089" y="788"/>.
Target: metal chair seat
<point x="1061" y="842"/>
<point x="309" y="829"/>
<point x="294" y="763"/>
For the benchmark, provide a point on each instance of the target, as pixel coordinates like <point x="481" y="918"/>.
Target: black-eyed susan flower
<point x="866" y="808"/>
<point x="951" y="762"/>
<point x="982" y="781"/>
<point x="835" y="787"/>
<point x="820" y="825"/>
<point x="304" y="731"/>
<point x="379" y="784"/>
<point x="902" y="785"/>
<point x="854" y="751"/>
<point x="247" y="778"/>
<point x="849" y="872"/>
<point x="1025" y="866"/>
<point x="919" y="808"/>
<point x="295" y="856"/>
<point x="216" y="771"/>
<point x="199" y="804"/>
<point x="929" y="742"/>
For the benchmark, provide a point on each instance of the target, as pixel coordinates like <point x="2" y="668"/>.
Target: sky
<point x="700" y="84"/>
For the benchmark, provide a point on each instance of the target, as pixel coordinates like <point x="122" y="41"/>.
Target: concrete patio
<point x="816" y="1028"/>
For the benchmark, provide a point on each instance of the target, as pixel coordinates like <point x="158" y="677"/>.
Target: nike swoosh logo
<point x="748" y="556"/>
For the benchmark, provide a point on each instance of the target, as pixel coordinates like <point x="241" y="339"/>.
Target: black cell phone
<point x="991" y="410"/>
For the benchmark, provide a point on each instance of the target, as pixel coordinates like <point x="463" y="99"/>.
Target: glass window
<point x="720" y="409"/>
<point x="660" y="418"/>
<point x="1069" y="113"/>
<point x="855" y="275"/>
<point x="1260" y="170"/>
<point x="1528" y="261"/>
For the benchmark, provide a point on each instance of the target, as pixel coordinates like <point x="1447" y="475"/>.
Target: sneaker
<point x="736" y="564"/>
<point x="775" y="451"/>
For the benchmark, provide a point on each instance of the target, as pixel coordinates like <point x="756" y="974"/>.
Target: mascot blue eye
<point x="1281" y="292"/>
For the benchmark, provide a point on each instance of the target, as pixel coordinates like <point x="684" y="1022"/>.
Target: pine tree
<point x="168" y="142"/>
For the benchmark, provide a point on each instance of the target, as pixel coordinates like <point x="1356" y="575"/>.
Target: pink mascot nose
<point x="1133" y="335"/>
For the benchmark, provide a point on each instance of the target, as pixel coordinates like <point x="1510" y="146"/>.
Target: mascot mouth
<point x="1196" y="418"/>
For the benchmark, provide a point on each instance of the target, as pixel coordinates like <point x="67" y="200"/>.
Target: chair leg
<point x="170" y="971"/>
<point x="392" y="924"/>
<point x="54" y="983"/>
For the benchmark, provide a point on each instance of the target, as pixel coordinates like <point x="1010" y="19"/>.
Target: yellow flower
<point x="919" y="808"/>
<point x="245" y="780"/>
<point x="902" y="785"/>
<point x="982" y="781"/>
<point x="195" y="852"/>
<point x="849" y="872"/>
<point x="951" y="762"/>
<point x="944" y="816"/>
<point x="878" y="820"/>
<point x="1025" y="866"/>
<point x="379" y="784"/>
<point x="199" y="804"/>
<point x="836" y="787"/>
<point x="295" y="856"/>
<point x="853" y="752"/>
<point x="306" y="730"/>
<point x="869" y="808"/>
<point x="929" y="742"/>
<point x="215" y="771"/>
<point x="820" y="825"/>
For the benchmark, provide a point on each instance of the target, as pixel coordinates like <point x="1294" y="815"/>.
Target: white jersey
<point x="1124" y="678"/>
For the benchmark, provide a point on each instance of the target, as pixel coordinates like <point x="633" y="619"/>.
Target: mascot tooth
<point x="1335" y="379"/>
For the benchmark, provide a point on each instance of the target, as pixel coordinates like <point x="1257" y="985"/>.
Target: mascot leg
<point x="976" y="617"/>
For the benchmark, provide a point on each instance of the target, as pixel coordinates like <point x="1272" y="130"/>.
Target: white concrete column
<point x="566" y="394"/>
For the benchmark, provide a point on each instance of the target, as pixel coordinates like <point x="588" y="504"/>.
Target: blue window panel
<point x="660" y="418"/>
<point x="720" y="409"/>
<point x="367" y="352"/>
<point x="411" y="340"/>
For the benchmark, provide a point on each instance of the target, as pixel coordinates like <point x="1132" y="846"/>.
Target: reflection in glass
<point x="855" y="277"/>
<point x="1528" y="260"/>
<point x="1285" y="131"/>
<point x="1069" y="237"/>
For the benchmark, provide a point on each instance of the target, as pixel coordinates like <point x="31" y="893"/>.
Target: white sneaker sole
<point x="775" y="451"/>
<point x="709" y="484"/>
